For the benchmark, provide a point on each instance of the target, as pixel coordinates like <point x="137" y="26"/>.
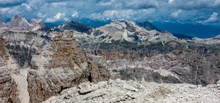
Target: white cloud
<point x="75" y="14"/>
<point x="175" y="14"/>
<point x="28" y="7"/>
<point x="216" y="3"/>
<point x="125" y="14"/>
<point x="41" y="15"/>
<point x="103" y="3"/>
<point x="57" y="17"/>
<point x="170" y="1"/>
<point x="212" y="18"/>
<point x="178" y="10"/>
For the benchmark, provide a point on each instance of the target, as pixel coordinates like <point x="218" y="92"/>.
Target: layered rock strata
<point x="61" y="64"/>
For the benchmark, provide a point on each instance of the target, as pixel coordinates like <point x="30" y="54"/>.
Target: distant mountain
<point x="18" y="23"/>
<point x="191" y="30"/>
<point x="72" y="25"/>
<point x="37" y="24"/>
<point x="147" y="25"/>
<point x="54" y="24"/>
<point x="128" y="31"/>
<point x="94" y="23"/>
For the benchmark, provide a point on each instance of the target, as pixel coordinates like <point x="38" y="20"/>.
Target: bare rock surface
<point x="187" y="63"/>
<point x="118" y="91"/>
<point x="22" y="45"/>
<point x="61" y="64"/>
<point x="8" y="87"/>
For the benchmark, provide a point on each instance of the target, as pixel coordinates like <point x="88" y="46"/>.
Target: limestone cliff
<point x="22" y="45"/>
<point x="61" y="64"/>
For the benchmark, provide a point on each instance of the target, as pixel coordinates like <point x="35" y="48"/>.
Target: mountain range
<point x="123" y="61"/>
<point x="18" y="23"/>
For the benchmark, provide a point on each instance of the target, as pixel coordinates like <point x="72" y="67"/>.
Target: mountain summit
<point x="131" y="32"/>
<point x="18" y="23"/>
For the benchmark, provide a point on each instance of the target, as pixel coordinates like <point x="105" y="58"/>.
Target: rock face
<point x="194" y="64"/>
<point x="60" y="65"/>
<point x="22" y="45"/>
<point x="8" y="88"/>
<point x="118" y="91"/>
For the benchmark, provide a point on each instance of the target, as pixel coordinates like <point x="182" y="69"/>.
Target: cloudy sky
<point x="182" y="11"/>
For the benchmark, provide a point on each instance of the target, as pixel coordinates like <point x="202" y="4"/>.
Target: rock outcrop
<point x="117" y="91"/>
<point x="61" y="64"/>
<point x="8" y="87"/>
<point x="22" y="45"/>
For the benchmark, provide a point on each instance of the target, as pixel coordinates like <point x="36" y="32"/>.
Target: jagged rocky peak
<point x="37" y="24"/>
<point x="129" y="25"/>
<point x="18" y="22"/>
<point x="16" y="18"/>
<point x="61" y="64"/>
<point x="130" y="32"/>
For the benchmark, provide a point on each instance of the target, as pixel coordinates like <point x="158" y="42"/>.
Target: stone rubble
<point x="119" y="91"/>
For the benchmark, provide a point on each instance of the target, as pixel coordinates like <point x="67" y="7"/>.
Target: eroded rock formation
<point x="22" y="45"/>
<point x="60" y="65"/>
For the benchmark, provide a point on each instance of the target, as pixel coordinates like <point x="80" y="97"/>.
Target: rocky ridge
<point x="131" y="32"/>
<point x="18" y="23"/>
